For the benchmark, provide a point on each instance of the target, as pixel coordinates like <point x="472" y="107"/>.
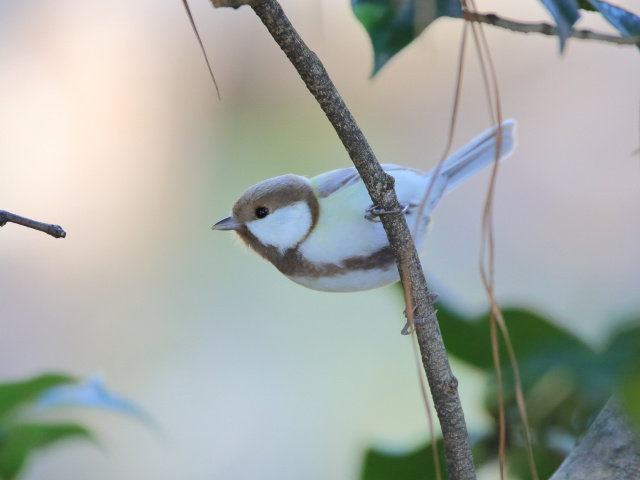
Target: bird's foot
<point x="374" y="212"/>
<point x="433" y="297"/>
<point x="407" y="330"/>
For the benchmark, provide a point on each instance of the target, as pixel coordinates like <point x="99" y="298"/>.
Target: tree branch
<point x="380" y="186"/>
<point x="609" y="449"/>
<point x="233" y="3"/>
<point x="546" y="29"/>
<point x="53" y="230"/>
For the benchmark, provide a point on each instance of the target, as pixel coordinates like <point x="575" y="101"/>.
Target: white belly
<point x="355" y="281"/>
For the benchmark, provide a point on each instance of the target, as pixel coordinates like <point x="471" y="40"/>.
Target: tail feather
<point x="470" y="159"/>
<point x="477" y="154"/>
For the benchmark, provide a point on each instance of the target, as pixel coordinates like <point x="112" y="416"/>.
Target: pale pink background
<point x="110" y="127"/>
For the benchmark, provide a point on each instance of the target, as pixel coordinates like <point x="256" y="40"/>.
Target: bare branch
<point x="444" y="386"/>
<point x="546" y="29"/>
<point x="53" y="230"/>
<point x="234" y="3"/>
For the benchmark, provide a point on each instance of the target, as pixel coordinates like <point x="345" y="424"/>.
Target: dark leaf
<point x="547" y="462"/>
<point x="623" y="348"/>
<point x="394" y="24"/>
<point x="585" y="5"/>
<point x="566" y="14"/>
<point x="17" y="442"/>
<point x="16" y="394"/>
<point x="379" y="465"/>
<point x="531" y="334"/>
<point x="624" y="21"/>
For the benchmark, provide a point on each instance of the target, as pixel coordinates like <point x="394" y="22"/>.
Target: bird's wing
<point x="342" y="231"/>
<point x="332" y="181"/>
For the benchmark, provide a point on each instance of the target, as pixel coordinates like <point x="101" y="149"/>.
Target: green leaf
<point x="585" y="5"/>
<point x="394" y="24"/>
<point x="543" y="349"/>
<point x="532" y="336"/>
<point x="566" y="14"/>
<point x="17" y="442"/>
<point x="623" y="348"/>
<point x="624" y="21"/>
<point x="623" y="357"/>
<point x="380" y="465"/>
<point x="629" y="390"/>
<point x="16" y="394"/>
<point x="547" y="461"/>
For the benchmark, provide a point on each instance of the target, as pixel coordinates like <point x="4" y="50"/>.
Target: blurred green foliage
<point x="394" y="24"/>
<point x="419" y="463"/>
<point x="565" y="383"/>
<point x="18" y="436"/>
<point x="20" y="432"/>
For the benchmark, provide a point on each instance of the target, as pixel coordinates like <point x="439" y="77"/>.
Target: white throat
<point x="284" y="228"/>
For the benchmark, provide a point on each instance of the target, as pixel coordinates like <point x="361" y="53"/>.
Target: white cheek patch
<point x="283" y="228"/>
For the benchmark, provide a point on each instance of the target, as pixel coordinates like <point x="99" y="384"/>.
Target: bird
<point x="324" y="234"/>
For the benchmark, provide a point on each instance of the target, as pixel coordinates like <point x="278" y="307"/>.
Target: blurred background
<point x="110" y="127"/>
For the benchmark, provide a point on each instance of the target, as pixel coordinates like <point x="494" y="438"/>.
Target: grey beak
<point x="226" y="224"/>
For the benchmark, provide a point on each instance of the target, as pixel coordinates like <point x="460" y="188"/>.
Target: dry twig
<point x="546" y="29"/>
<point x="53" y="230"/>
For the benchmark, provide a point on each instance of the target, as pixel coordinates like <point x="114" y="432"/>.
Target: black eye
<point x="262" y="212"/>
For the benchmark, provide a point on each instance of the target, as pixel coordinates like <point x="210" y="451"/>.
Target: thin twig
<point x="452" y="128"/>
<point x="489" y="82"/>
<point x="443" y="385"/>
<point x="487" y="270"/>
<point x="423" y="389"/>
<point x="53" y="230"/>
<point x="185" y="3"/>
<point x="546" y="29"/>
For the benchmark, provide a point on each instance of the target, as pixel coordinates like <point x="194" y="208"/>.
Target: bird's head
<point x="278" y="213"/>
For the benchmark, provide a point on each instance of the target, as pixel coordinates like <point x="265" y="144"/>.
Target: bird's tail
<point x="470" y="159"/>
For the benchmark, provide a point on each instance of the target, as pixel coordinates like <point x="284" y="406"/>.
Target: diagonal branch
<point x="444" y="386"/>
<point x="53" y="230"/>
<point x="546" y="29"/>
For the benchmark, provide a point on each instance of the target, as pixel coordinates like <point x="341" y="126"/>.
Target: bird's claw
<point x="374" y="212"/>
<point x="406" y="330"/>
<point x="433" y="297"/>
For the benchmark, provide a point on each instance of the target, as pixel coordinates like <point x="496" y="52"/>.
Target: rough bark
<point x="608" y="450"/>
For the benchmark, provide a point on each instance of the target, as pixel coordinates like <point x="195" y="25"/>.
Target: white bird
<point x="316" y="231"/>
